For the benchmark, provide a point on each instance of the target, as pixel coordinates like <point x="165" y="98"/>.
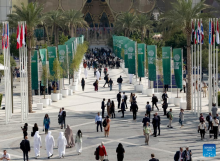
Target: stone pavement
<point x="81" y="110"/>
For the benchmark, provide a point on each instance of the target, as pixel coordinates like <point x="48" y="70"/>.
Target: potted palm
<point x="64" y="65"/>
<point x="56" y="77"/>
<point x="44" y="79"/>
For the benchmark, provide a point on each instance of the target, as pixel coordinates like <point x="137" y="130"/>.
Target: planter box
<point x="40" y="106"/>
<point x="55" y="97"/>
<point x="50" y="101"/>
<point x="150" y="92"/>
<point x="134" y="81"/>
<point x="171" y="100"/>
<point x="183" y="105"/>
<point x="144" y="91"/>
<point x="177" y="101"/>
<point x="139" y="87"/>
<point x="70" y="92"/>
<point x="45" y="102"/>
<point x="65" y="92"/>
<point x="61" y="96"/>
<point x="73" y="88"/>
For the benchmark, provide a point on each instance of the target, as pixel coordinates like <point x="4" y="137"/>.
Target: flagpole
<point x="210" y="105"/>
<point x="197" y="66"/>
<point x="214" y="83"/>
<point x="209" y="89"/>
<point x="194" y="75"/>
<point x="217" y="37"/>
<point x="192" y="80"/>
<point x="200" y="97"/>
<point x="171" y="70"/>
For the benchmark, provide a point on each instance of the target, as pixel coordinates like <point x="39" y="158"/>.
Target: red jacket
<point x="102" y="151"/>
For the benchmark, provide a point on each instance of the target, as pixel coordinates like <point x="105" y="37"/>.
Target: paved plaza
<point x="82" y="108"/>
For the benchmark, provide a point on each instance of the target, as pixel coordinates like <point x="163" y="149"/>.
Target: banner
<point x="131" y="49"/>
<point x="70" y="51"/>
<point x="62" y="50"/>
<point x="43" y="56"/>
<point x="126" y="52"/>
<point x="152" y="56"/>
<point x="52" y="54"/>
<point x="141" y="60"/>
<point x="178" y="67"/>
<point x="34" y="69"/>
<point x="166" y="59"/>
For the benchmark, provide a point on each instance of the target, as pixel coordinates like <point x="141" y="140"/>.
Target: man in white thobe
<point x="49" y="143"/>
<point x="37" y="144"/>
<point x="97" y="75"/>
<point x="85" y="73"/>
<point x="130" y="78"/>
<point x="61" y="144"/>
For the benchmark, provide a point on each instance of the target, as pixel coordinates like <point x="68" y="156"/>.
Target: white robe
<point x="130" y="78"/>
<point x="49" y="143"/>
<point x="61" y="144"/>
<point x="85" y="72"/>
<point x="37" y="143"/>
<point x="97" y="75"/>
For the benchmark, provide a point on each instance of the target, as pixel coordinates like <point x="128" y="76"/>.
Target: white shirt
<point x="188" y="155"/>
<point x="123" y="96"/>
<point x="181" y="157"/>
<point x="184" y="83"/>
<point x="202" y="126"/>
<point x="215" y="122"/>
<point x="6" y="156"/>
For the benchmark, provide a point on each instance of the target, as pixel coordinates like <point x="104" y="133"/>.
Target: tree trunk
<point x="142" y="37"/>
<point x="189" y="68"/>
<point x="48" y="37"/>
<point x="71" y="31"/>
<point x="29" y="74"/>
<point x="55" y="35"/>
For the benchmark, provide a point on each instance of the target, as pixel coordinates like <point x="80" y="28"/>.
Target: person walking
<point x="170" y="117"/>
<point x="119" y="80"/>
<point x="60" y="117"/>
<point x="69" y="137"/>
<point x="98" y="122"/>
<point x="204" y="89"/>
<point x="119" y="99"/>
<point x="35" y="128"/>
<point x="112" y="109"/>
<point x="120" y="152"/>
<point x="147" y="132"/>
<point x="164" y="106"/>
<point x="83" y="84"/>
<point x="154" y="102"/>
<point x="179" y="156"/>
<point x="103" y="107"/>
<point x="96" y="84"/>
<point x="110" y="84"/>
<point x="155" y="123"/>
<point x="25" y="129"/>
<point x="49" y="144"/>
<point x="188" y="154"/>
<point x="145" y="120"/>
<point x="100" y="70"/>
<point x="153" y="156"/>
<point x="164" y="95"/>
<point x="63" y="124"/>
<point x="158" y="123"/>
<point x="215" y="124"/>
<point x="134" y="108"/>
<point x="209" y="120"/>
<point x="214" y="110"/>
<point x="131" y="100"/>
<point x="106" y="78"/>
<point x="108" y="108"/>
<point x="5" y="155"/>
<point x="61" y="145"/>
<point x="37" y="144"/>
<point x="124" y="96"/>
<point x="46" y="123"/>
<point x="122" y="108"/>
<point x="25" y="147"/>
<point x="148" y="109"/>
<point x="202" y="129"/>
<point x="184" y="86"/>
<point x="78" y="142"/>
<point x="181" y="117"/>
<point x="107" y="127"/>
<point x="102" y="152"/>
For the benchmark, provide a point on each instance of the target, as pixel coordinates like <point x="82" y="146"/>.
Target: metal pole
<point x="194" y="75"/>
<point x="171" y="70"/>
<point x="197" y="75"/>
<point x="192" y="79"/>
<point x="200" y="109"/>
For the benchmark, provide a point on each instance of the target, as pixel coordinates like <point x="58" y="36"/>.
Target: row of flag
<point x="5" y="36"/>
<point x="197" y="33"/>
<point x="212" y="32"/>
<point x="21" y="36"/>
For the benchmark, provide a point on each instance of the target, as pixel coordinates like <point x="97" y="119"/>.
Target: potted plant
<point x="56" y="77"/>
<point x="64" y="65"/>
<point x="44" y="79"/>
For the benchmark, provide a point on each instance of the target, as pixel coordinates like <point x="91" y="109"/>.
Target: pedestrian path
<point x="81" y="110"/>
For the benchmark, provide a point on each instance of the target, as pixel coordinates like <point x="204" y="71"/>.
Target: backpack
<point x="64" y="113"/>
<point x="148" y="108"/>
<point x="104" y="123"/>
<point x="156" y="99"/>
<point x="96" y="153"/>
<point x="168" y="114"/>
<point x="93" y="84"/>
<point x="125" y="98"/>
<point x="207" y="118"/>
<point x="22" y="145"/>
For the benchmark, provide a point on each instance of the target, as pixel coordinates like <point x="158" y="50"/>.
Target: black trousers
<point x="154" y="103"/>
<point x="123" y="112"/>
<point x="166" y="88"/>
<point x="103" y="112"/>
<point x="99" y="123"/>
<point x="83" y="87"/>
<point x="148" y="114"/>
<point x="159" y="129"/>
<point x="113" y="114"/>
<point x="202" y="133"/>
<point x="155" y="130"/>
<point x="134" y="115"/>
<point x="210" y="125"/>
<point x="164" y="111"/>
<point x="126" y="103"/>
<point x="119" y="102"/>
<point x="105" y="84"/>
<point x="215" y="131"/>
<point x="25" y="154"/>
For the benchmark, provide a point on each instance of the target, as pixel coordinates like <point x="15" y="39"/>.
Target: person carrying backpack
<point x="209" y="120"/>
<point x="25" y="147"/>
<point x="148" y="109"/>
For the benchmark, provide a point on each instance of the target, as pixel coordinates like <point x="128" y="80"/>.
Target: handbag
<point x="106" y="159"/>
<point x="32" y="134"/>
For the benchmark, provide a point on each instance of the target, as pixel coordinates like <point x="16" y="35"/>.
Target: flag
<point x="7" y="37"/>
<point x="23" y="41"/>
<point x="217" y="34"/>
<point x="3" y="34"/>
<point x="213" y="33"/>
<point x="21" y="36"/>
<point x="192" y="35"/>
<point x="198" y="33"/>
<point x="195" y="34"/>
<point x="210" y="33"/>
<point x="25" y="34"/>
<point x="18" y="38"/>
<point x="202" y="34"/>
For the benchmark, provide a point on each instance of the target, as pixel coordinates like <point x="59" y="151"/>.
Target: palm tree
<point x="126" y="22"/>
<point x="74" y="19"/>
<point x="179" y="18"/>
<point x="144" y="23"/>
<point x="31" y="14"/>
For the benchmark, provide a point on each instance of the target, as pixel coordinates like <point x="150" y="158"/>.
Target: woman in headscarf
<point x="120" y="152"/>
<point x="69" y="137"/>
<point x="46" y="123"/>
<point x="78" y="141"/>
<point x="107" y="128"/>
<point x="37" y="144"/>
<point x="108" y="107"/>
<point x="113" y="109"/>
<point x="96" y="84"/>
<point x="61" y="144"/>
<point x="25" y="129"/>
<point x="83" y="84"/>
<point x="49" y="144"/>
<point x="60" y="117"/>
